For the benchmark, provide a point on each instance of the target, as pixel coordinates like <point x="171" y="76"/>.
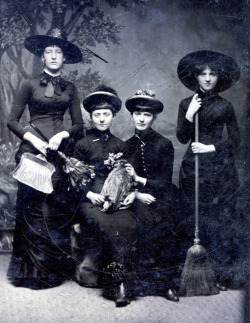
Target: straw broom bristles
<point x="198" y="277"/>
<point x="36" y="172"/>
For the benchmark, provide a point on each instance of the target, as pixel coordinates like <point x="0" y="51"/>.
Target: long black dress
<point x="152" y="157"/>
<point x="41" y="251"/>
<point x="107" y="237"/>
<point x="220" y="229"/>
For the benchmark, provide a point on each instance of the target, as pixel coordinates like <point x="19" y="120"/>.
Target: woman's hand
<point x="95" y="198"/>
<point x="199" y="148"/>
<point x="39" y="144"/>
<point x="56" y="140"/>
<point x="138" y="179"/>
<point x="145" y="198"/>
<point x="128" y="201"/>
<point x="130" y="169"/>
<point x="193" y="107"/>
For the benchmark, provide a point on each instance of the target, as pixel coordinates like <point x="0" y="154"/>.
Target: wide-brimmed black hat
<point x="37" y="44"/>
<point x="98" y="97"/>
<point x="144" y="100"/>
<point x="228" y="70"/>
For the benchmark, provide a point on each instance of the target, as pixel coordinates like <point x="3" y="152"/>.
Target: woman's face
<point x="53" y="58"/>
<point x="102" y="119"/>
<point x="142" y="120"/>
<point x="207" y="79"/>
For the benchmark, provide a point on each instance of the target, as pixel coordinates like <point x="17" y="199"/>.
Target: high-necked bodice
<point x="46" y="113"/>
<point x="95" y="148"/>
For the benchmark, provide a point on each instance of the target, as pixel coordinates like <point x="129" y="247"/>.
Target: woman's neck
<point x="142" y="132"/>
<point x="52" y="73"/>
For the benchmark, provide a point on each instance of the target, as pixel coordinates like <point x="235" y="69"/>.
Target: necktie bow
<point x="207" y="96"/>
<point x="104" y="137"/>
<point x="55" y="85"/>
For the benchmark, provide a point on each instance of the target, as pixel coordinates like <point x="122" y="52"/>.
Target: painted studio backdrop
<point x="142" y="41"/>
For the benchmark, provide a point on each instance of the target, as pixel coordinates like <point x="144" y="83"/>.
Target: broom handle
<point x="39" y="131"/>
<point x="196" y="234"/>
<point x="45" y="138"/>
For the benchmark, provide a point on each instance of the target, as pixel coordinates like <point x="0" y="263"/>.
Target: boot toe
<point x="171" y="296"/>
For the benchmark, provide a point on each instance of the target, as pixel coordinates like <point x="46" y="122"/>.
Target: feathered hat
<point x="144" y="100"/>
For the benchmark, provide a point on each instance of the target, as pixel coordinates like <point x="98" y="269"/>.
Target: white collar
<point x="48" y="72"/>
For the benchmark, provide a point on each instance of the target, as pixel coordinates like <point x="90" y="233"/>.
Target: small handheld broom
<point x="36" y="171"/>
<point x="197" y="277"/>
<point x="79" y="173"/>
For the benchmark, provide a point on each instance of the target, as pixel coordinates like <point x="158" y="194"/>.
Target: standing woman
<point x="41" y="239"/>
<point x="108" y="238"/>
<point x="151" y="158"/>
<point x="208" y="73"/>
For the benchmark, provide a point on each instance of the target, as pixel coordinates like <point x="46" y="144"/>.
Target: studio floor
<point x="71" y="303"/>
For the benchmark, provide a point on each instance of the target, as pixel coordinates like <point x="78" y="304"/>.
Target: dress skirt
<point x="41" y="255"/>
<point x="107" y="236"/>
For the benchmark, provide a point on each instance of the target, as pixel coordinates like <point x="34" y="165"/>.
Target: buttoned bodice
<point x="152" y="156"/>
<point x="46" y="113"/>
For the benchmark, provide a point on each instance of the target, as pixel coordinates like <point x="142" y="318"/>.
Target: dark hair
<point x="200" y="68"/>
<point x="139" y="108"/>
<point x="103" y="105"/>
<point x="214" y="66"/>
<point x="50" y="45"/>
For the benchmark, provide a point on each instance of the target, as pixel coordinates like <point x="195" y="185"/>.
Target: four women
<point x="140" y="236"/>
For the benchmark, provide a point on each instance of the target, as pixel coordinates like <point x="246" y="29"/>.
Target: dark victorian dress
<point x="41" y="252"/>
<point x="218" y="180"/>
<point x="107" y="237"/>
<point x="152" y="157"/>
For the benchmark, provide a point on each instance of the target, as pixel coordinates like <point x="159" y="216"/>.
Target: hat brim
<point x="37" y="44"/>
<point x="227" y="67"/>
<point x="95" y="98"/>
<point x="144" y="102"/>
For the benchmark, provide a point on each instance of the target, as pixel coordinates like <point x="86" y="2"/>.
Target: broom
<point x="197" y="277"/>
<point x="35" y="171"/>
<point x="79" y="173"/>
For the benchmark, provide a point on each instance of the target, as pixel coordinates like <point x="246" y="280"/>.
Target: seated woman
<point x="152" y="157"/>
<point x="107" y="237"/>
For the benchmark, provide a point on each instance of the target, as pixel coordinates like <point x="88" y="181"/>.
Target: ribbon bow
<point x="207" y="95"/>
<point x="55" y="85"/>
<point x="104" y="137"/>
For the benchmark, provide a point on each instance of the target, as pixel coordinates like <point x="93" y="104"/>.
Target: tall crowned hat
<point x="144" y="100"/>
<point x="37" y="44"/>
<point x="227" y="68"/>
<point x="101" y="95"/>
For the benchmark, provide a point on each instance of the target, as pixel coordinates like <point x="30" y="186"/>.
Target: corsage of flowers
<point x="146" y="92"/>
<point x="112" y="159"/>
